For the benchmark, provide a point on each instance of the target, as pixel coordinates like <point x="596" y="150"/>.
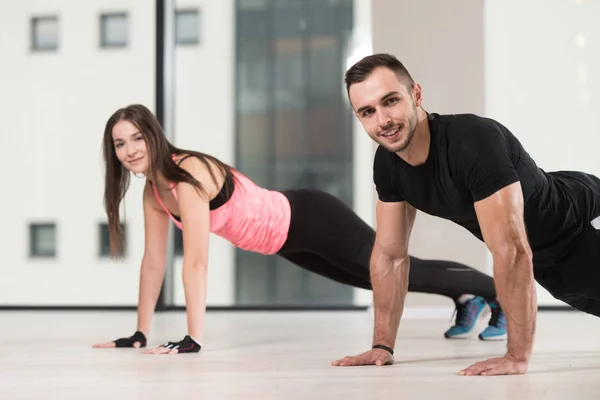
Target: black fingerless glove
<point x="128" y="342"/>
<point x="187" y="345"/>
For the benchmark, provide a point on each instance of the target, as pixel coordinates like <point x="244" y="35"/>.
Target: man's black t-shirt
<point x="470" y="158"/>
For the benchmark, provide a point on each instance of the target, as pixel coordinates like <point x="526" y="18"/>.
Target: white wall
<point x="443" y="51"/>
<point x="54" y="106"/>
<point x="542" y="81"/>
<point x="205" y="121"/>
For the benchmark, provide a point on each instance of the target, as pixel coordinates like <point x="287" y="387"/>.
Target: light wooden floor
<point x="48" y="355"/>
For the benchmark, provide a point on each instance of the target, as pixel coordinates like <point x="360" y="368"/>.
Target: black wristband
<point x="384" y="347"/>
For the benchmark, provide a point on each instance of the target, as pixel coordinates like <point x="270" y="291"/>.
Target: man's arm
<point x="390" y="268"/>
<point x="389" y="277"/>
<point x="501" y="220"/>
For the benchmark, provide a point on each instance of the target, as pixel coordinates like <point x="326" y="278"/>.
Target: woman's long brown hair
<point x="160" y="152"/>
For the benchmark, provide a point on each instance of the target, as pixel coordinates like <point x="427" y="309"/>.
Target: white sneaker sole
<point x="495" y="338"/>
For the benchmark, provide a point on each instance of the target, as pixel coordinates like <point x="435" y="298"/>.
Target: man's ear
<point x="417" y="94"/>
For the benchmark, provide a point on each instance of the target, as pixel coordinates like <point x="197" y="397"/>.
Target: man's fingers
<point x="495" y="371"/>
<point x="495" y="366"/>
<point x="480" y="368"/>
<point x="350" y="361"/>
<point x="367" y="358"/>
<point x="471" y="370"/>
<point x="354" y="361"/>
<point x="483" y="369"/>
<point x="342" y="361"/>
<point x="137" y="345"/>
<point x="505" y="369"/>
<point x="346" y="362"/>
<point x="385" y="361"/>
<point x="474" y="371"/>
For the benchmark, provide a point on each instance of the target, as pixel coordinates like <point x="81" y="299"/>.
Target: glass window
<point x="113" y="31"/>
<point x="289" y="91"/>
<point x="44" y="33"/>
<point x="187" y="27"/>
<point x="104" y="245"/>
<point x="42" y="242"/>
<point x="253" y="4"/>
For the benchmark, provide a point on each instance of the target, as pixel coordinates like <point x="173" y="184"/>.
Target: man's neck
<point x="418" y="149"/>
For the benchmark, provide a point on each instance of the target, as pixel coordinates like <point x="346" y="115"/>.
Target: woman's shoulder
<point x="193" y="164"/>
<point x="206" y="171"/>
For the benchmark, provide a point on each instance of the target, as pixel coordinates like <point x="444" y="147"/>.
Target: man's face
<point x="386" y="108"/>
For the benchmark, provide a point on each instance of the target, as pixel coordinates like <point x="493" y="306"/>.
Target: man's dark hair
<point x="365" y="67"/>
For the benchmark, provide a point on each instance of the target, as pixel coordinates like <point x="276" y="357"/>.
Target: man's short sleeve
<point x="384" y="177"/>
<point x="481" y="155"/>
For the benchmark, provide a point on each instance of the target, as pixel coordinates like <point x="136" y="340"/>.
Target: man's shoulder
<point x="469" y="132"/>
<point x="383" y="164"/>
<point x="460" y="124"/>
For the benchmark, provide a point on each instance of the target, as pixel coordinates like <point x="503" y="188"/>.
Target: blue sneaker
<point x="496" y="329"/>
<point x="467" y="316"/>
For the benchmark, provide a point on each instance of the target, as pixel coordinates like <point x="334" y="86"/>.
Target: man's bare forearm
<point x="515" y="285"/>
<point x="389" y="277"/>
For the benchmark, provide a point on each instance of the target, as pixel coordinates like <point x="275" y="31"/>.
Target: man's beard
<point x="411" y="129"/>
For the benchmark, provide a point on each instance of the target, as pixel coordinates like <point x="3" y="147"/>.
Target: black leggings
<point x="326" y="237"/>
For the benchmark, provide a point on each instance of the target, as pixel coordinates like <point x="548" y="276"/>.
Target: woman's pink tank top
<point x="253" y="219"/>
